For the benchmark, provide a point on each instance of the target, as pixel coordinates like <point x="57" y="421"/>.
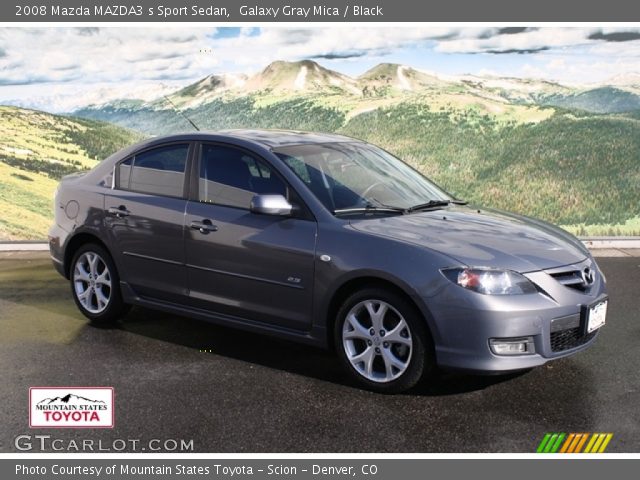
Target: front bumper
<point x="465" y="321"/>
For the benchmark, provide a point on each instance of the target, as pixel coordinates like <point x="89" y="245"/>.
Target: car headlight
<point x="490" y="281"/>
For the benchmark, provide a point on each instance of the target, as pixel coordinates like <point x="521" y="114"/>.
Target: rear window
<point x="159" y="171"/>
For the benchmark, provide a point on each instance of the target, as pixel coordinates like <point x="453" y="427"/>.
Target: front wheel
<point x="382" y="341"/>
<point x="95" y="285"/>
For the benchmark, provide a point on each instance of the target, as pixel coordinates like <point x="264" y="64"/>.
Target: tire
<point x="95" y="285"/>
<point x="391" y="358"/>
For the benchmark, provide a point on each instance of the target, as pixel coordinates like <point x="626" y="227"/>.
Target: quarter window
<point x="231" y="177"/>
<point x="159" y="171"/>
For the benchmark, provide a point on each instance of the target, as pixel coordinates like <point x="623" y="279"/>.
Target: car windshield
<point x="359" y="178"/>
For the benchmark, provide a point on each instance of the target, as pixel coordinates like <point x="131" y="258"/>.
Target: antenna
<point x="179" y="112"/>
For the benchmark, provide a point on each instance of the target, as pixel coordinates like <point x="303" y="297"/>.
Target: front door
<point x="257" y="267"/>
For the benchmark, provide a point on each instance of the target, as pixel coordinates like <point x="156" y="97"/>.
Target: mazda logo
<point x="587" y="276"/>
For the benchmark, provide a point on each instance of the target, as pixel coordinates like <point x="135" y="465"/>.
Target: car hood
<point x="487" y="238"/>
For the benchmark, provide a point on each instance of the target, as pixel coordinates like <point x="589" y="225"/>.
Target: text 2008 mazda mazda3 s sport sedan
<point x="326" y="240"/>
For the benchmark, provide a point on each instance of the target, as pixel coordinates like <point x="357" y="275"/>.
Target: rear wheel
<point x="95" y="285"/>
<point x="382" y="341"/>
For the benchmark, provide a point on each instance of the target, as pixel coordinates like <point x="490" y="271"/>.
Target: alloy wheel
<point x="92" y="282"/>
<point x="377" y="341"/>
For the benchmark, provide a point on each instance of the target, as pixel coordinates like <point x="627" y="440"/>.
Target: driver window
<point x="231" y="177"/>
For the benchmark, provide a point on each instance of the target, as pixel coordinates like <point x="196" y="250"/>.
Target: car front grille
<point x="570" y="338"/>
<point x="571" y="279"/>
<point x="578" y="277"/>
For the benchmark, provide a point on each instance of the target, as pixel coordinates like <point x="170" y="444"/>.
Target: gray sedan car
<point x="326" y="240"/>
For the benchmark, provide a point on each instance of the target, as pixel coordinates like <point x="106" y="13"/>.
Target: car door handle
<point x="119" y="212"/>
<point x="204" y="226"/>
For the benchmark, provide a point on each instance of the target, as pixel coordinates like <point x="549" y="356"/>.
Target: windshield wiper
<point x="368" y="209"/>
<point x="434" y="204"/>
<point x="389" y="209"/>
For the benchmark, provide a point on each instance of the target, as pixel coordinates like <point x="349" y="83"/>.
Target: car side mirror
<point x="271" y="205"/>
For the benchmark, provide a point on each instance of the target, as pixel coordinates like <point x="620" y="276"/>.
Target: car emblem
<point x="588" y="276"/>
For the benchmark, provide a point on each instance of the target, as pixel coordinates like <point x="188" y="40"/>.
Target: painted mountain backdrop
<point x="568" y="154"/>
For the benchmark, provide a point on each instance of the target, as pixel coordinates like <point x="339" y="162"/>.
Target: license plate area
<point x="595" y="315"/>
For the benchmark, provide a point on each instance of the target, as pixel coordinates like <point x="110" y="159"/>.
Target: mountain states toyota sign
<point x="71" y="407"/>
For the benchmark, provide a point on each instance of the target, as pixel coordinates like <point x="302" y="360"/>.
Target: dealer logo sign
<point x="71" y="407"/>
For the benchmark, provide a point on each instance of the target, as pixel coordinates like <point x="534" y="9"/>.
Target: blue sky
<point x="58" y="69"/>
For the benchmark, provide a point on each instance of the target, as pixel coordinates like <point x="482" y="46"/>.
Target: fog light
<point x="512" y="346"/>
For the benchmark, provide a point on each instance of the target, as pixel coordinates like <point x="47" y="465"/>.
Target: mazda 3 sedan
<point x="329" y="241"/>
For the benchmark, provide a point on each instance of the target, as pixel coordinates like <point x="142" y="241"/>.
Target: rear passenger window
<point x="231" y="177"/>
<point x="159" y="171"/>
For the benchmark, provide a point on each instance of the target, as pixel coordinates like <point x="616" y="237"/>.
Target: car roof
<point x="278" y="138"/>
<point x="266" y="138"/>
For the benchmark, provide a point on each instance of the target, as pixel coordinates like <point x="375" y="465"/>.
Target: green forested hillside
<point x="36" y="150"/>
<point x="597" y="100"/>
<point x="300" y="113"/>
<point x="570" y="170"/>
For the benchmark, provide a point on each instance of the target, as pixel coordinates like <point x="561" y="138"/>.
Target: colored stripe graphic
<point x="604" y="445"/>
<point x="574" y="442"/>
<point x="550" y="443"/>
<point x="578" y="437"/>
<point x="581" y="443"/>
<point x="556" y="445"/>
<point x="591" y="443"/>
<point x="567" y="443"/>
<point x="543" y="443"/>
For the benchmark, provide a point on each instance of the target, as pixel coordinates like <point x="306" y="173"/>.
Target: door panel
<point x="149" y="242"/>
<point x="258" y="267"/>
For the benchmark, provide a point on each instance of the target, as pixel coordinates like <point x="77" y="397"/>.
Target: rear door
<point x="258" y="267"/>
<point x="144" y="215"/>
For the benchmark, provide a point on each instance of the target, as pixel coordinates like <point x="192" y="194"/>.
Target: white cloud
<point x="528" y="40"/>
<point x="99" y="55"/>
<point x="68" y="97"/>
<point x="296" y="43"/>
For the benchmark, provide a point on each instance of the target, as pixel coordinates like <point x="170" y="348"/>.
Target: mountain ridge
<point x="307" y="77"/>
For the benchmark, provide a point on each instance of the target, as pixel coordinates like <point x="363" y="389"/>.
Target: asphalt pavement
<point x="230" y="391"/>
